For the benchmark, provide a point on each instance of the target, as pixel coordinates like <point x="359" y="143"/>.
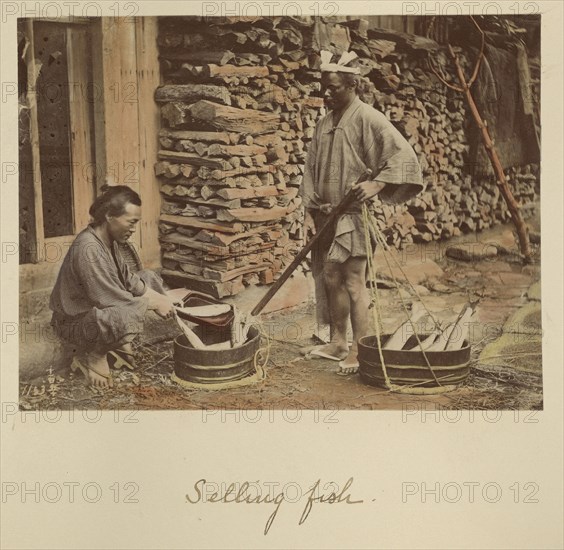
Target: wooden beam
<point x="98" y="72"/>
<point x="32" y="76"/>
<point x="148" y="79"/>
<point x="80" y="126"/>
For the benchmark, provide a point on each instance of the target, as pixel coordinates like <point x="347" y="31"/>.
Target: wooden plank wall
<point x="32" y="75"/>
<point x="78" y="45"/>
<point x="127" y="121"/>
<point x="148" y="79"/>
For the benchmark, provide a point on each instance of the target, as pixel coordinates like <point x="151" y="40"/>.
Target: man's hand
<point x="309" y="225"/>
<point x="160" y="303"/>
<point x="164" y="306"/>
<point x="365" y="190"/>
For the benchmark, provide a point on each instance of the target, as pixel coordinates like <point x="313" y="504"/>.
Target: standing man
<point x="354" y="146"/>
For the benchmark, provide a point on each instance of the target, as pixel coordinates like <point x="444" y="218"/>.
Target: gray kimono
<point x="340" y="156"/>
<point x="97" y="300"/>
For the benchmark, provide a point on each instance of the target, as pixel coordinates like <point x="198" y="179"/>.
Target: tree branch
<point x="442" y="79"/>
<point x="481" y="54"/>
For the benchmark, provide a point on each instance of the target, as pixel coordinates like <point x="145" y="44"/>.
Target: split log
<point x="207" y="192"/>
<point x="216" y="137"/>
<point x="175" y="114"/>
<point x="167" y="169"/>
<point x="188" y="264"/>
<point x="201" y="284"/>
<point x="217" y="150"/>
<point x="252" y="214"/>
<point x="235" y="203"/>
<point x="223" y="276"/>
<point x="190" y="93"/>
<point x="215" y="250"/>
<point x="178" y="191"/>
<point x="233" y="119"/>
<point x="205" y="173"/>
<point x="196" y="160"/>
<point x="235" y="71"/>
<point x="219" y="57"/>
<point x="229" y="194"/>
<point x="199" y="223"/>
<point x="223" y="239"/>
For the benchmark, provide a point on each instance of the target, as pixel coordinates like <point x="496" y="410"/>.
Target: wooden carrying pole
<point x="300" y="257"/>
<point x="338" y="211"/>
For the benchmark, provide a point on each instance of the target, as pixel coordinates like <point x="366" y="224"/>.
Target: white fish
<point x="449" y="339"/>
<point x="398" y="339"/>
<point x="211" y="310"/>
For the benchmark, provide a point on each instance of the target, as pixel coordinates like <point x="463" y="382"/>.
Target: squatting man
<point x="99" y="304"/>
<point x="354" y="146"/>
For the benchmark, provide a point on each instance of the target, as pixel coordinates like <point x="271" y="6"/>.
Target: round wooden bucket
<point x="215" y="366"/>
<point x="408" y="367"/>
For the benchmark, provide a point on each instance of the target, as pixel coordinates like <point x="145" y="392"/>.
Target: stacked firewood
<point x="239" y="105"/>
<point x="434" y="120"/>
<point x="238" y="109"/>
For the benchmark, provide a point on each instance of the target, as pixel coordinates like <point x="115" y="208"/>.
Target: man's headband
<point x="341" y="65"/>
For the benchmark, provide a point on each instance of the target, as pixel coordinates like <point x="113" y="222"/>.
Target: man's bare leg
<point x="339" y="308"/>
<point x="354" y="272"/>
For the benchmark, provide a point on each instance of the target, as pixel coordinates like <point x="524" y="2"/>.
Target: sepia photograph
<point x="292" y="211"/>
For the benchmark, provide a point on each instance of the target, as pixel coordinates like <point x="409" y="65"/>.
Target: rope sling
<point x="371" y="227"/>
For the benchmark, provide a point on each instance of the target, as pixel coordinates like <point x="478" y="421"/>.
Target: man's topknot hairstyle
<point x="112" y="202"/>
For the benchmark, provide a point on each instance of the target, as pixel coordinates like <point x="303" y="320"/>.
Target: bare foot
<point x="95" y="369"/>
<point x="349" y="365"/>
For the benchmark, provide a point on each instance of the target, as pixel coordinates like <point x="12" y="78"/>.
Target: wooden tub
<point x="203" y="366"/>
<point x="408" y="367"/>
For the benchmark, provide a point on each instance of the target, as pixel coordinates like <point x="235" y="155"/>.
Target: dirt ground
<point x="512" y="380"/>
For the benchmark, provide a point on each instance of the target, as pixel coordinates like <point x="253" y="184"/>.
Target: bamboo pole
<point x="491" y="151"/>
<point x="465" y="85"/>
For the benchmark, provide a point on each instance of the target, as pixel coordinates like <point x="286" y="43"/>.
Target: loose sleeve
<point x="133" y="283"/>
<point x="395" y="160"/>
<point x="307" y="188"/>
<point x="99" y="278"/>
